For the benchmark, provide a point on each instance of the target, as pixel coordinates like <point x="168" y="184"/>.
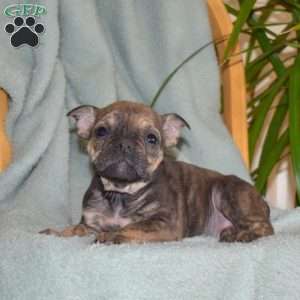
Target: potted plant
<point x="272" y="56"/>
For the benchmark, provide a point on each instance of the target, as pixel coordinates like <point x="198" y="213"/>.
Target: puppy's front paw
<point x="50" y="231"/>
<point x="110" y="237"/>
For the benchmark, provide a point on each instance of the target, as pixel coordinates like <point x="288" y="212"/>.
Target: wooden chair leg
<point x="5" y="147"/>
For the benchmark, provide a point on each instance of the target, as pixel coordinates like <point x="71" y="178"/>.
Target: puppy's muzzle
<point x="122" y="161"/>
<point x="120" y="171"/>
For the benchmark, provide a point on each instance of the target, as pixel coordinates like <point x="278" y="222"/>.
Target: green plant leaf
<point x="231" y="10"/>
<point x="245" y="10"/>
<point x="294" y="115"/>
<point x="253" y="71"/>
<point x="274" y="127"/>
<point x="294" y="45"/>
<point x="254" y="104"/>
<point x="251" y="47"/>
<point x="293" y="28"/>
<point x="292" y="3"/>
<point x="263" y="108"/>
<point x="265" y="167"/>
<point x="267" y="46"/>
<point x="253" y="83"/>
<point x="275" y="48"/>
<point x="254" y="67"/>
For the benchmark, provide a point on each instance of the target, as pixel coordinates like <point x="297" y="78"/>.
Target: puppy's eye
<point x="151" y="139"/>
<point x="101" y="132"/>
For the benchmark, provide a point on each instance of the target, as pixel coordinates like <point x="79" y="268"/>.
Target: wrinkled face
<point x="126" y="140"/>
<point x="125" y="146"/>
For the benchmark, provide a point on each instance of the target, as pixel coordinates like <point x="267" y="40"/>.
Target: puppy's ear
<point x="172" y="125"/>
<point x="84" y="117"/>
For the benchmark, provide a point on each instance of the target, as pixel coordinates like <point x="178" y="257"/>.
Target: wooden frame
<point x="233" y="79"/>
<point x="5" y="147"/>
<point x="233" y="83"/>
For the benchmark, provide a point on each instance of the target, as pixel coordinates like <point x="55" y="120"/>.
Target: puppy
<point x="138" y="195"/>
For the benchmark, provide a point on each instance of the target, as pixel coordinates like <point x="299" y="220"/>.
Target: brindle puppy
<point x="138" y="195"/>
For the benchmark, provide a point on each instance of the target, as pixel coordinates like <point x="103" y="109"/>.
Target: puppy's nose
<point x="125" y="146"/>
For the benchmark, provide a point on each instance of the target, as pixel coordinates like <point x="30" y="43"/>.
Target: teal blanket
<point x="94" y="52"/>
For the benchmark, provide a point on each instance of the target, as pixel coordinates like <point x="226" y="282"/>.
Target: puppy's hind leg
<point x="244" y="207"/>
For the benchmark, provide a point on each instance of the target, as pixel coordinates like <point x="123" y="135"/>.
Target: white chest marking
<point x="100" y="221"/>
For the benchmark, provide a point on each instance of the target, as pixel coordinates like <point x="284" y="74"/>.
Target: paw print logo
<point x="24" y="32"/>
